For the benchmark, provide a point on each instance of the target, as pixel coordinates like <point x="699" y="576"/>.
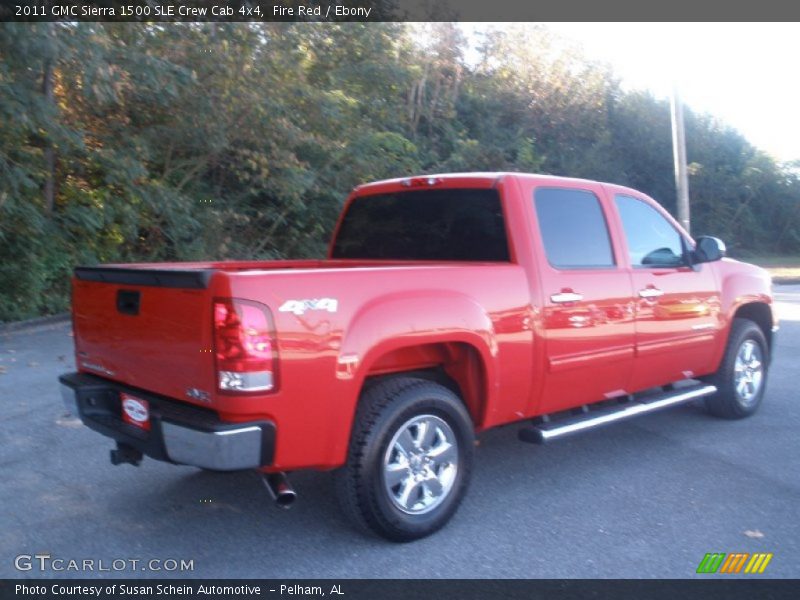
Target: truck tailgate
<point x="146" y="328"/>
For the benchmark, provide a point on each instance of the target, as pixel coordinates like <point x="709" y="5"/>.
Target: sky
<point x="743" y="73"/>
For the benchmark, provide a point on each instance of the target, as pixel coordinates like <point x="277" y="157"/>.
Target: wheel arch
<point x="456" y="365"/>
<point x="435" y="330"/>
<point x="761" y="314"/>
<point x="754" y="310"/>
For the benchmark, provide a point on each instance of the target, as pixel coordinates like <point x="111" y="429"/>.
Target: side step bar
<point x="552" y="430"/>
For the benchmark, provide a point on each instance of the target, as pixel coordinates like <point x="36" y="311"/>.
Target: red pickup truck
<point x="448" y="304"/>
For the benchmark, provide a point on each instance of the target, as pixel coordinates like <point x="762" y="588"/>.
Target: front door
<point x="677" y="305"/>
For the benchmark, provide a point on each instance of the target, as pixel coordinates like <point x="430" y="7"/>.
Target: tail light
<point x="244" y="346"/>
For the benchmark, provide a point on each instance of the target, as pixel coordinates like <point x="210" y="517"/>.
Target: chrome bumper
<point x="228" y="450"/>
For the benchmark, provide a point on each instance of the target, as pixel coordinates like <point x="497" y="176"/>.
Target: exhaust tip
<point x="285" y="499"/>
<point x="280" y="489"/>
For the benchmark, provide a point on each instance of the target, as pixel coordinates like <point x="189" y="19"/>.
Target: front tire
<point x="742" y="375"/>
<point x="410" y="459"/>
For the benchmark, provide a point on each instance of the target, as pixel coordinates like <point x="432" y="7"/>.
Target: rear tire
<point x="742" y="375"/>
<point x="410" y="459"/>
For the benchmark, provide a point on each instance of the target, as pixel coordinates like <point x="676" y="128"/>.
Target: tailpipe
<point x="280" y="489"/>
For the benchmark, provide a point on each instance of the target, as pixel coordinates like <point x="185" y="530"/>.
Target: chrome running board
<point x="589" y="419"/>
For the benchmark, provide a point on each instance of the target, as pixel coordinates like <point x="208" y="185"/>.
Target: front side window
<point x="652" y="240"/>
<point x="573" y="229"/>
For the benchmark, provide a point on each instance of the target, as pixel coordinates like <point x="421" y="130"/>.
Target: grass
<point x="784" y="269"/>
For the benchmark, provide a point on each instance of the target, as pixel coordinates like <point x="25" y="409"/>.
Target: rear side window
<point x="652" y="240"/>
<point x="448" y="224"/>
<point x="573" y="229"/>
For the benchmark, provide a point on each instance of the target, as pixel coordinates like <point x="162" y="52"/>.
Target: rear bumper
<point x="179" y="433"/>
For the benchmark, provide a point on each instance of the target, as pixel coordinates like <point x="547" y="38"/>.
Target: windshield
<point x="447" y="224"/>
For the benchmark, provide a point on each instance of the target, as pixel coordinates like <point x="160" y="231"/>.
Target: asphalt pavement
<point x="644" y="498"/>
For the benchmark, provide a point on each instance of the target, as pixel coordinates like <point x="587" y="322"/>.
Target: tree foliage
<point x="147" y="142"/>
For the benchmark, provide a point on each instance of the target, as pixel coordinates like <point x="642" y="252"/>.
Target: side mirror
<point x="709" y="249"/>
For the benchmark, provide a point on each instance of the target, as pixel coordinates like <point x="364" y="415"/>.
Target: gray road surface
<point x="645" y="498"/>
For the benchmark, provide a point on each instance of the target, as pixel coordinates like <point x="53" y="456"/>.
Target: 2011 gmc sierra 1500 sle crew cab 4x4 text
<point x="448" y="304"/>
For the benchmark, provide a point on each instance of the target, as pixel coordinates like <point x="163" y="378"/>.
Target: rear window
<point x="449" y="224"/>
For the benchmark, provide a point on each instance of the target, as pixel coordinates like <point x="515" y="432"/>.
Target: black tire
<point x="385" y="411"/>
<point x="729" y="402"/>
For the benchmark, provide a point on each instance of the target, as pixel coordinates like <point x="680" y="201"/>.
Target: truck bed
<point x="150" y="326"/>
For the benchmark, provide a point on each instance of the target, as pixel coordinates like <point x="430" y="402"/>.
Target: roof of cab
<point x="479" y="179"/>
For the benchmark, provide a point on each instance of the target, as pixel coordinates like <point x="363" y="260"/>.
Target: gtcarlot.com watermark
<point x="46" y="562"/>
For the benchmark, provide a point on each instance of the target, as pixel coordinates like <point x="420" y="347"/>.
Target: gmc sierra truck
<point x="448" y="304"/>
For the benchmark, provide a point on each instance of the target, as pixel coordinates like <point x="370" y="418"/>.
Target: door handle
<point x="650" y="292"/>
<point x="565" y="296"/>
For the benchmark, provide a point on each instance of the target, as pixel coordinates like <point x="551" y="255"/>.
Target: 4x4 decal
<point x="299" y="307"/>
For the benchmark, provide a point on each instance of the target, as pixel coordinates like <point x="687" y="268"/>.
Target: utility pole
<point x="679" y="154"/>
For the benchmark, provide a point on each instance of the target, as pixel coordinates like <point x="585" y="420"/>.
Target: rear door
<point x="677" y="305"/>
<point x="588" y="310"/>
